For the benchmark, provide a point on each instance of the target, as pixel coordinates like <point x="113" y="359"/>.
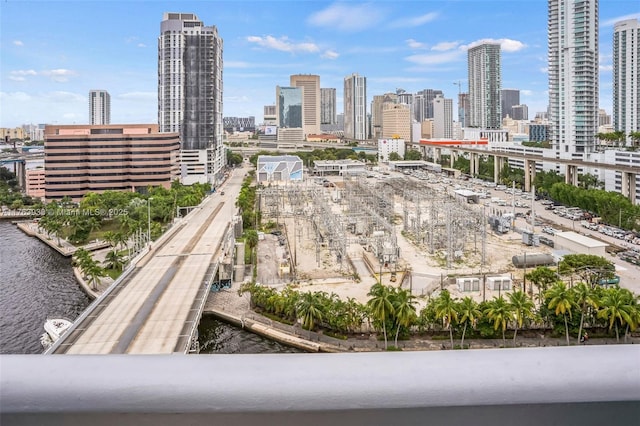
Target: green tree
<point x="413" y="155"/>
<point x="542" y="277"/>
<point x="394" y="156"/>
<point x="500" y="313"/>
<point x="404" y="310"/>
<point x="522" y="307"/>
<point x="590" y="268"/>
<point x="114" y="260"/>
<point x="94" y="273"/>
<point x="616" y="308"/>
<point x="309" y="310"/>
<point x="381" y="306"/>
<point x="585" y="298"/>
<point x="446" y="310"/>
<point x="561" y="301"/>
<point x="469" y="313"/>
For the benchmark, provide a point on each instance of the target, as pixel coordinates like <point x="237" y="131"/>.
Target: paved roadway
<point x="149" y="314"/>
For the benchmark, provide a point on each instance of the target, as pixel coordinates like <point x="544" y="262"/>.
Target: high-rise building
<point x="520" y="112"/>
<point x="626" y="73"/>
<point x="423" y="103"/>
<point x="310" y="85"/>
<point x="463" y="109"/>
<point x="289" y="113"/>
<point x="190" y="94"/>
<point x="484" y="86"/>
<point x="604" y="119"/>
<point x="270" y="116"/>
<point x="355" y="107"/>
<point x="396" y="121"/>
<point x="508" y="99"/>
<point x="442" y="117"/>
<point x="377" y="106"/>
<point x="327" y="106"/>
<point x="573" y="76"/>
<point x="99" y="107"/>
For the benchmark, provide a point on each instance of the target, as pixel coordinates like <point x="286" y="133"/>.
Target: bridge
<point x="156" y="307"/>
<point x="628" y="173"/>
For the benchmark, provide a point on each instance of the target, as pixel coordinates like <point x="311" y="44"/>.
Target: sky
<point x="53" y="52"/>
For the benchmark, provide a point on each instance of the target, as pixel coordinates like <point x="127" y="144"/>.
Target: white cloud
<point x="64" y="97"/>
<point x="611" y="22"/>
<point x="347" y="17"/>
<point x="606" y="68"/>
<point x="237" y="98"/>
<point x="138" y="96"/>
<point x="18" y="43"/>
<point x="12" y="97"/>
<point x="141" y="45"/>
<point x="283" y="44"/>
<point x="506" y="44"/>
<point x="414" y="21"/>
<point x="445" y="45"/>
<point x="526" y="92"/>
<point x="544" y="70"/>
<point x="330" y="54"/>
<point x="20" y="75"/>
<point x="59" y="75"/>
<point x="415" y="44"/>
<point x="237" y="64"/>
<point x="395" y="79"/>
<point x="435" y="58"/>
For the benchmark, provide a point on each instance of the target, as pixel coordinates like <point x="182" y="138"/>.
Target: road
<point x="148" y="315"/>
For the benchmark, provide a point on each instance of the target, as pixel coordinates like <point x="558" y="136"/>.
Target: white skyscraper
<point x="99" y="107"/>
<point x="327" y="105"/>
<point x="484" y="86"/>
<point x="355" y="107"/>
<point x="442" y="117"/>
<point x="573" y="76"/>
<point x="190" y="94"/>
<point x="626" y="76"/>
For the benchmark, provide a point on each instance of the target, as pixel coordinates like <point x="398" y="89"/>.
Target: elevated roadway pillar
<point x="474" y="164"/>
<point x="529" y="174"/>
<point x="571" y="175"/>
<point x="629" y="186"/>
<point x="498" y="165"/>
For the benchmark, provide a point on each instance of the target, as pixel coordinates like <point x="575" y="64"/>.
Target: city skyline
<point x="67" y="48"/>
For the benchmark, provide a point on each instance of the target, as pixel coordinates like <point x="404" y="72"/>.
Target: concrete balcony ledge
<point x="579" y="385"/>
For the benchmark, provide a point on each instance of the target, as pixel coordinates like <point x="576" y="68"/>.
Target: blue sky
<point x="53" y="52"/>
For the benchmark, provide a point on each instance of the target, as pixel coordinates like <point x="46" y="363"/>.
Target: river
<point x="37" y="282"/>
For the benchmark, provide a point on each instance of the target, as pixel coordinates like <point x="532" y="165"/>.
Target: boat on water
<point x="54" y="328"/>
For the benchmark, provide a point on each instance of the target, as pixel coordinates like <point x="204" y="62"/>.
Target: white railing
<point x="578" y="385"/>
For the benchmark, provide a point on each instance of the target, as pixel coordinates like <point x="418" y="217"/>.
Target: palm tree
<point x="309" y="309"/>
<point x="405" y="310"/>
<point x="584" y="298"/>
<point x="616" y="308"/>
<point x="114" y="260"/>
<point x="560" y="299"/>
<point x="500" y="312"/>
<point x="446" y="309"/>
<point x="83" y="260"/>
<point x="94" y="273"/>
<point x="469" y="314"/>
<point x="380" y="306"/>
<point x="522" y="308"/>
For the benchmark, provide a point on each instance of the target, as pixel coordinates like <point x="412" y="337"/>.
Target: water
<point x="37" y="282"/>
<point x="217" y="337"/>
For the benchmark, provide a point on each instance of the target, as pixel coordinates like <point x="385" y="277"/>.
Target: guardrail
<point x="578" y="385"/>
